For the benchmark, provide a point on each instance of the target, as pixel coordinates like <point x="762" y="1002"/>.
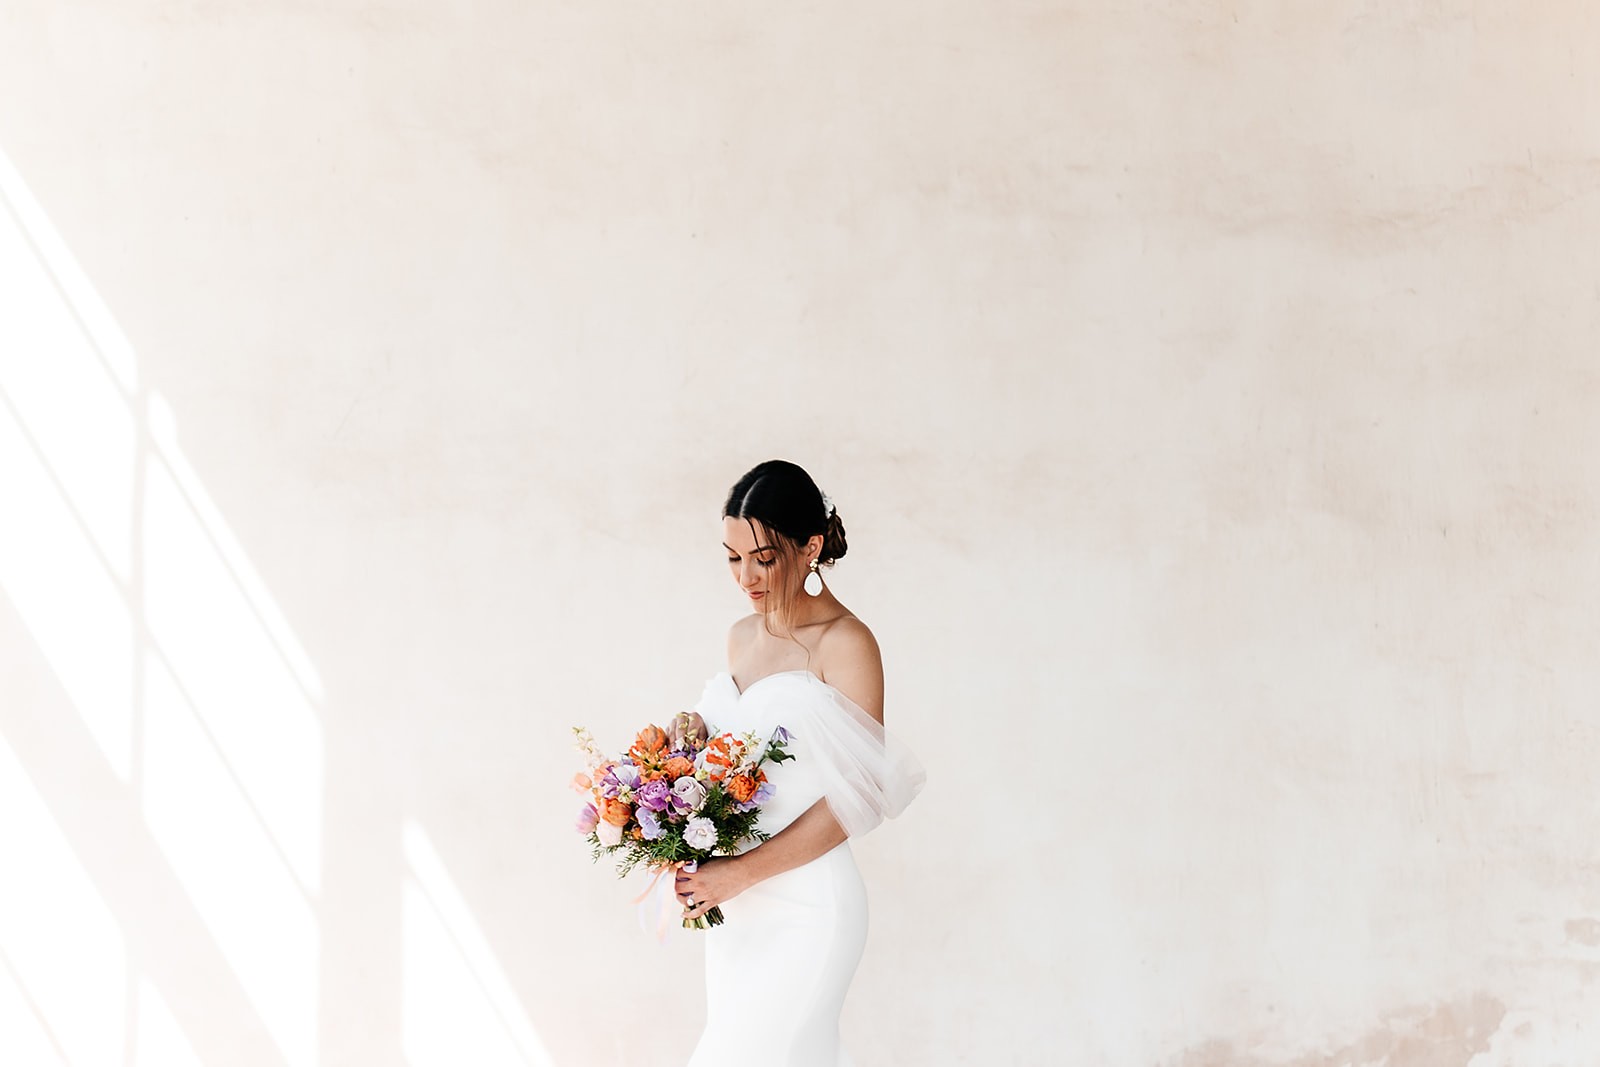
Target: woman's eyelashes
<point x="763" y="562"/>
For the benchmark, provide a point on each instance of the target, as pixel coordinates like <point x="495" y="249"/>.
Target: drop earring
<point x="813" y="584"/>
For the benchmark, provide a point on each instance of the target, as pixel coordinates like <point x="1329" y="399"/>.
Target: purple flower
<point x="587" y="819"/>
<point x="653" y="795"/>
<point x="781" y="735"/>
<point x="627" y="775"/>
<point x="648" y="823"/>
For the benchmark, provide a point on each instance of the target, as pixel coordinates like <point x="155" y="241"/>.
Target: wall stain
<point x="1584" y="931"/>
<point x="1447" y="1034"/>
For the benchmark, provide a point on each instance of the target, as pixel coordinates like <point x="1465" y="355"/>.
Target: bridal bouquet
<point x="674" y="799"/>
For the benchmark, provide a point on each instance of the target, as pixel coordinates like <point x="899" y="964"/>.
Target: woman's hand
<point x="714" y="881"/>
<point x="687" y="726"/>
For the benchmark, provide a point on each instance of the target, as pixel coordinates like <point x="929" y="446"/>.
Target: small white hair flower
<point x="827" y="505"/>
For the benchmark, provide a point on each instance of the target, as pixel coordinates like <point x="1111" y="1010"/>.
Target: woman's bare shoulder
<point x="847" y="637"/>
<point x="853" y="664"/>
<point x="741" y="633"/>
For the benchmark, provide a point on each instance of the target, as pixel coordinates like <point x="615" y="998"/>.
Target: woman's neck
<point x="814" y="611"/>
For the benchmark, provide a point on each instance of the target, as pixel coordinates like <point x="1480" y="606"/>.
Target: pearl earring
<point x="813" y="584"/>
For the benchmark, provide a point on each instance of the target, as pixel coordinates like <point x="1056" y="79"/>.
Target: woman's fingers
<point x="700" y="903"/>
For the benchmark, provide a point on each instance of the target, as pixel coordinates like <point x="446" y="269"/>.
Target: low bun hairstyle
<point x="782" y="497"/>
<point x="833" y="542"/>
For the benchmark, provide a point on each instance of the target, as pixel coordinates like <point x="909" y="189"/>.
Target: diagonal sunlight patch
<point x="458" y="1006"/>
<point x="65" y="552"/>
<point x="65" y="589"/>
<point x="181" y="666"/>
<point x="245" y="895"/>
<point x="56" y="327"/>
<point x="159" y="1039"/>
<point x="63" y="953"/>
<point x="27" y="1038"/>
<point x="254" y="707"/>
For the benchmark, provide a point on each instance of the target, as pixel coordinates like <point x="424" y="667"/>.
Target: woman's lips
<point x="758" y="596"/>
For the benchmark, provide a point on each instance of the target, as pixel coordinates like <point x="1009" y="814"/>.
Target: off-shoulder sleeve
<point x="867" y="774"/>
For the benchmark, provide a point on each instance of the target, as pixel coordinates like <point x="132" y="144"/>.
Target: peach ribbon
<point x="664" y="902"/>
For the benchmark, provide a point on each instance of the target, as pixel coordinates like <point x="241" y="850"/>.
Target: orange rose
<point x="648" y="749"/>
<point x="742" y="787"/>
<point x="652" y="741"/>
<point x="615" y="811"/>
<point x="678" y="766"/>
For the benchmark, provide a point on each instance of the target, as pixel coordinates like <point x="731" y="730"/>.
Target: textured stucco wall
<point x="1209" y="390"/>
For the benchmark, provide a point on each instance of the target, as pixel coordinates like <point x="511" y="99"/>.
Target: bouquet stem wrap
<point x="660" y="899"/>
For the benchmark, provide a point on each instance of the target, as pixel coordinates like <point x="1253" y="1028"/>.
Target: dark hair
<point x="781" y="497"/>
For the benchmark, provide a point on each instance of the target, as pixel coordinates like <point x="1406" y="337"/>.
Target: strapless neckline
<point x="775" y="674"/>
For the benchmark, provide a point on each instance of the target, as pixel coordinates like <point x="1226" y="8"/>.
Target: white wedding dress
<point x="778" y="968"/>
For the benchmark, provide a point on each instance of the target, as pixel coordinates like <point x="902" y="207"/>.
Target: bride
<point x="795" y="907"/>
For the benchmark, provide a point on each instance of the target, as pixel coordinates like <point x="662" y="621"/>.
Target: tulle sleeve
<point x="867" y="774"/>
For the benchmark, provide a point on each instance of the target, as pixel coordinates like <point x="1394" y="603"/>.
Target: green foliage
<point x="777" y="751"/>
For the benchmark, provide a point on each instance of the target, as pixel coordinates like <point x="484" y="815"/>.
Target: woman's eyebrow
<point x="753" y="551"/>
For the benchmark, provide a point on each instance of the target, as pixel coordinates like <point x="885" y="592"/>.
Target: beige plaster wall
<point x="1209" y="391"/>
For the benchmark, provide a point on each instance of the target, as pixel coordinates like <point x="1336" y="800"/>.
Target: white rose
<point x="609" y="833"/>
<point x="700" y="834"/>
<point x="690" y="793"/>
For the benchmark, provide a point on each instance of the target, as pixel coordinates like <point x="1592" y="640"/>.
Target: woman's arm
<point x="722" y="878"/>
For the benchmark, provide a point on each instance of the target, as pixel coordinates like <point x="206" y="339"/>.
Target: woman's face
<point x="755" y="566"/>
